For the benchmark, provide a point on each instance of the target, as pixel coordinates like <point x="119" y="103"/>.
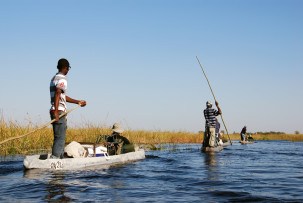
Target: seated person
<point x="217" y="132"/>
<point x="119" y="141"/>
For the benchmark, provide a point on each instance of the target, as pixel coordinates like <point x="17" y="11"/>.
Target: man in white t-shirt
<point x="58" y="86"/>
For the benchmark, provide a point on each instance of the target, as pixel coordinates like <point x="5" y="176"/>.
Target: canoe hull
<point x="246" y="142"/>
<point x="226" y="144"/>
<point x="212" y="149"/>
<point x="32" y="162"/>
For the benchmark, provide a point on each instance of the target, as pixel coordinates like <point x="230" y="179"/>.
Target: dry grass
<point x="43" y="139"/>
<point x="290" y="137"/>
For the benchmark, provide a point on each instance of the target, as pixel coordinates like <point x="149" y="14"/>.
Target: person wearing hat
<point x="243" y="132"/>
<point x="119" y="141"/>
<point x="210" y="124"/>
<point x="58" y="86"/>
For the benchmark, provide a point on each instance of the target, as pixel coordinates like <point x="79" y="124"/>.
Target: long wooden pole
<point x="214" y="98"/>
<point x="17" y="137"/>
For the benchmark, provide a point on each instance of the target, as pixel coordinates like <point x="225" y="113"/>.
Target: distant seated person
<point x="121" y="144"/>
<point x="221" y="137"/>
<point x="249" y="138"/>
<point x="221" y="134"/>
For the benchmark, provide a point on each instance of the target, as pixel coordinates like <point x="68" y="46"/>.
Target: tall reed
<point x="290" y="137"/>
<point x="42" y="140"/>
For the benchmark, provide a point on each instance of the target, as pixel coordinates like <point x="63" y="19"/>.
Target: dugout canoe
<point x="226" y="144"/>
<point x="212" y="149"/>
<point x="246" y="142"/>
<point x="44" y="162"/>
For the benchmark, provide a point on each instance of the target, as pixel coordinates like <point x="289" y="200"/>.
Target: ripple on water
<point x="261" y="172"/>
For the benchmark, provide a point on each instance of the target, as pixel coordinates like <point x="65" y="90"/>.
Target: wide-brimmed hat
<point x="117" y="128"/>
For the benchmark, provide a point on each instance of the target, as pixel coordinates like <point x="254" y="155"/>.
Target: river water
<point x="266" y="171"/>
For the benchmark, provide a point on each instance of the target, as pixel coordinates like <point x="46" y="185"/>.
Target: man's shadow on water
<point x="55" y="186"/>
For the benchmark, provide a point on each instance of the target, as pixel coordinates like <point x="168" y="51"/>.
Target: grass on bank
<point x="41" y="141"/>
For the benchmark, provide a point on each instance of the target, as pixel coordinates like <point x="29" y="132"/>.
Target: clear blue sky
<point x="134" y="61"/>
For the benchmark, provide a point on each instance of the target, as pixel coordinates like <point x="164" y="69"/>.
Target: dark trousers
<point x="59" y="129"/>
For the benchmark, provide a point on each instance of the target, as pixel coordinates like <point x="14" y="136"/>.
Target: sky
<point x="134" y="62"/>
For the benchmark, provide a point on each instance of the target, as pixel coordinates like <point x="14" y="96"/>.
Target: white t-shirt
<point x="59" y="81"/>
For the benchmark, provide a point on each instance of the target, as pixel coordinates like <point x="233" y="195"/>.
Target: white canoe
<point x="35" y="161"/>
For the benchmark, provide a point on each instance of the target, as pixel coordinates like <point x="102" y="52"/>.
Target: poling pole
<point x="214" y="98"/>
<point x="12" y="138"/>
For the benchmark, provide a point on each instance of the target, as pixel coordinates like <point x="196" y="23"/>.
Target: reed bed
<point x="289" y="137"/>
<point x="41" y="141"/>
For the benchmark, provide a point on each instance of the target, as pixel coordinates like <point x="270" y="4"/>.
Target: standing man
<point x="58" y="86"/>
<point x="243" y="132"/>
<point x="210" y="123"/>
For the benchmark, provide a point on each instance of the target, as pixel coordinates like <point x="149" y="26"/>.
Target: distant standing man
<point x="243" y="132"/>
<point x="210" y="123"/>
<point x="58" y="86"/>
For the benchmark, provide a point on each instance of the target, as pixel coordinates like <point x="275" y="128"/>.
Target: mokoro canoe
<point x="246" y="142"/>
<point x="226" y="144"/>
<point x="212" y="149"/>
<point x="44" y="162"/>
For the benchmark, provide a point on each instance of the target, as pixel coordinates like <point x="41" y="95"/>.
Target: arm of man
<point x="219" y="110"/>
<point x="71" y="100"/>
<point x="57" y="97"/>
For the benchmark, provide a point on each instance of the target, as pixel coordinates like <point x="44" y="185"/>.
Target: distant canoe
<point x="226" y="144"/>
<point x="212" y="149"/>
<point x="40" y="162"/>
<point x="246" y="142"/>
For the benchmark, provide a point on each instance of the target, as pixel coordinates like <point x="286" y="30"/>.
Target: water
<point x="266" y="171"/>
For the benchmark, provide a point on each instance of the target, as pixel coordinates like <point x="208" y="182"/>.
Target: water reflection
<point x="210" y="163"/>
<point x="55" y="186"/>
<point x="210" y="158"/>
<point x="36" y="174"/>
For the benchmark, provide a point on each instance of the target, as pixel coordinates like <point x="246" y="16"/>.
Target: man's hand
<point x="56" y="116"/>
<point x="216" y="103"/>
<point x="82" y="103"/>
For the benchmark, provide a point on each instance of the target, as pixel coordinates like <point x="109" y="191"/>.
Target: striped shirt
<point x="210" y="117"/>
<point x="59" y="81"/>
